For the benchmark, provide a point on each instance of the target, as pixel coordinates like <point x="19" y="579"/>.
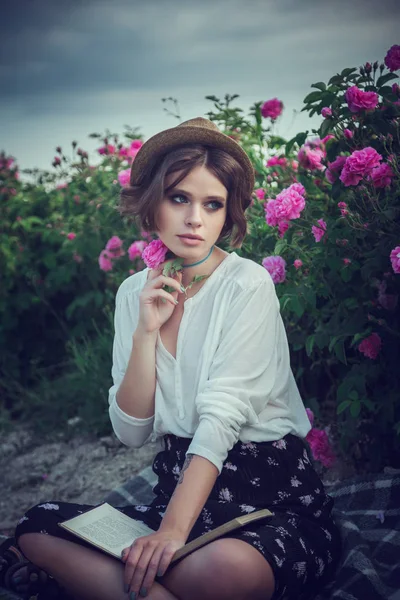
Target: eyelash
<point x="219" y="204"/>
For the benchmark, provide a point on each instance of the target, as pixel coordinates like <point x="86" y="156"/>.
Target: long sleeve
<point x="243" y="373"/>
<point x="129" y="430"/>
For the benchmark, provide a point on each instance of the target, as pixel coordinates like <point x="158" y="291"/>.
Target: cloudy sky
<point x="71" y="68"/>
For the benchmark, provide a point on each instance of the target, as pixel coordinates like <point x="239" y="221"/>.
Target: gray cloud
<point x="79" y="66"/>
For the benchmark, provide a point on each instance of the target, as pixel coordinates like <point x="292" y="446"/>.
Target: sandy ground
<point x="82" y="470"/>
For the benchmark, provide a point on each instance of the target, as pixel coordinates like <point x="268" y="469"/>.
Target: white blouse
<point x="231" y="379"/>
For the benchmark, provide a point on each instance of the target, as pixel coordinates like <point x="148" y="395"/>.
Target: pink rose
<point x="359" y="100"/>
<point x="287" y="206"/>
<point x="61" y="186"/>
<point x="392" y="58"/>
<point x="272" y="108"/>
<point x="359" y="165"/>
<point x="335" y="168"/>
<point x="298" y="263"/>
<point x="319" y="232"/>
<point x="124" y="177"/>
<point x="114" y="247"/>
<point x="260" y="193"/>
<point x="134" y="148"/>
<point x="283" y="226"/>
<point x="154" y="254"/>
<point x="320" y="447"/>
<point x="71" y="236"/>
<point x="275" y="265"/>
<point x="343" y="208"/>
<point x="135" y="250"/>
<point x="326" y="112"/>
<point x="311" y="156"/>
<point x="105" y="263"/>
<point x="381" y="176"/>
<point x="371" y="346"/>
<point x="346" y="261"/>
<point x="276" y="161"/>
<point x="109" y="149"/>
<point x="395" y="259"/>
<point x="348" y="134"/>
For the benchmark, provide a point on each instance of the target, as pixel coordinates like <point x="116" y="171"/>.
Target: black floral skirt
<point x="301" y="541"/>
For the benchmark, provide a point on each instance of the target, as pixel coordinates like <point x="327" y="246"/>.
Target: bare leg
<point x="87" y="574"/>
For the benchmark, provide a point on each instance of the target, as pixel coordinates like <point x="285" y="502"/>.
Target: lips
<point x="192" y="237"/>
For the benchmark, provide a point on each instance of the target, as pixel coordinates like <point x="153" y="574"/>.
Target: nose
<point x="193" y="216"/>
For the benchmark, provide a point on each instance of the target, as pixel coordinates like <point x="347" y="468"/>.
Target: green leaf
<point x="310" y="344"/>
<point x="342" y="406"/>
<point x="320" y="86"/>
<point x="355" y="409"/>
<point x="335" y="80"/>
<point x="312" y="97"/>
<point x="340" y="353"/>
<point x="348" y="71"/>
<point x="297" y="306"/>
<point x="385" y="78"/>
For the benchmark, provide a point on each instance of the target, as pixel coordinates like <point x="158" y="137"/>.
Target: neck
<point x="205" y="267"/>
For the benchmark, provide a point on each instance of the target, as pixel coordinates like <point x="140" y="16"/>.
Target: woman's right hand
<point x="153" y="312"/>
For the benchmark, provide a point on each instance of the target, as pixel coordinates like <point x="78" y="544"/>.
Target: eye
<point x="173" y="198"/>
<point x="217" y="205"/>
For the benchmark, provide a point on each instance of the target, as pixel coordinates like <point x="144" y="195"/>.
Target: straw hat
<point x="194" y="131"/>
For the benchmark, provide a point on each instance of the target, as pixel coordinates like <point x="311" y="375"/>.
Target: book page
<point x="108" y="528"/>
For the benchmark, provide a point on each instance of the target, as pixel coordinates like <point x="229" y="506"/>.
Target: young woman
<point x="207" y="371"/>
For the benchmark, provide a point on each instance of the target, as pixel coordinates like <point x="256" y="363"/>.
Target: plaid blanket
<point x="367" y="511"/>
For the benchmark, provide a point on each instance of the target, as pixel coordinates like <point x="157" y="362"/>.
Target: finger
<point x="165" y="560"/>
<point x="152" y="569"/>
<point x="153" y="295"/>
<point x="131" y="560"/>
<point x="162" y="280"/>
<point x="136" y="584"/>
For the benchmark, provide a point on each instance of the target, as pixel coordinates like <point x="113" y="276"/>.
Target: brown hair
<point x="141" y="201"/>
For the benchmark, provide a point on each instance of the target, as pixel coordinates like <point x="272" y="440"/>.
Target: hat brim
<point x="161" y="143"/>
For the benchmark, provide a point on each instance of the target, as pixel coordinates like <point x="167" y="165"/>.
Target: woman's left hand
<point x="149" y="556"/>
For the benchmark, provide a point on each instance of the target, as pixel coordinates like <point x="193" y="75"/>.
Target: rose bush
<point x="324" y="221"/>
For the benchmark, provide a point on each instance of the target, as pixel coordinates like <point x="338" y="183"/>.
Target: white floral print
<point x="300" y="568"/>
<point x="281" y="544"/>
<point x="176" y="470"/>
<point x="279" y="561"/>
<point x="249" y="447"/>
<point x="255" y="481"/>
<point x="272" y="462"/>
<point x="141" y="508"/>
<point x="320" y="566"/>
<point x="225" y="495"/>
<point x="49" y="506"/>
<point x="230" y="466"/>
<point x="306" y="500"/>
<point x="327" y="534"/>
<point x="294" y="482"/>
<point x="259" y="545"/>
<point x="303" y="545"/>
<point x="251" y="534"/>
<point x="22" y="519"/>
<point x="247" y="508"/>
<point x="301" y="466"/>
<point x="280" y="444"/>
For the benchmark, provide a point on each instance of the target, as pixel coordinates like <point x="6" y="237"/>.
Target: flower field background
<point x="324" y="221"/>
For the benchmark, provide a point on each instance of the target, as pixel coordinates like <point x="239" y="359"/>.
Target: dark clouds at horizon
<point x="67" y="69"/>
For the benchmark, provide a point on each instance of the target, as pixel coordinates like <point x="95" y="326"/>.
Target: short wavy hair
<point x="142" y="200"/>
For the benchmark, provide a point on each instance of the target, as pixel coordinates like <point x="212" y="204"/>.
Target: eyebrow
<point x="181" y="191"/>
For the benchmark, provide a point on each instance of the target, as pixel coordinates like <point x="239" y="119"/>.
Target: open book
<point x="110" y="530"/>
